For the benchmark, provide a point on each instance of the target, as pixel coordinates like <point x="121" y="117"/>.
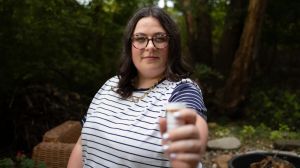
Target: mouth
<point x="150" y="57"/>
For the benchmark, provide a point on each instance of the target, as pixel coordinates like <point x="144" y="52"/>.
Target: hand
<point x="184" y="145"/>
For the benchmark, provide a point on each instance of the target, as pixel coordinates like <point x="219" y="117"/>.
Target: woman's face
<point x="151" y="60"/>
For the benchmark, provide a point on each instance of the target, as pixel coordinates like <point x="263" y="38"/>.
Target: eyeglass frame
<point x="148" y="39"/>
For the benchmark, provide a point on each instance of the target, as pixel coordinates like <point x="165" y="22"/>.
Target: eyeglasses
<point x="159" y="41"/>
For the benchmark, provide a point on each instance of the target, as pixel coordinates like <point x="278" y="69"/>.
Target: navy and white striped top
<point x="121" y="133"/>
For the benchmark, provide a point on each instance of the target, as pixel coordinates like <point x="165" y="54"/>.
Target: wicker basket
<point x="57" y="145"/>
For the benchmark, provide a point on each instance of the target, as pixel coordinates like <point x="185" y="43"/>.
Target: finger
<point x="188" y="115"/>
<point x="182" y="132"/>
<point x="184" y="146"/>
<point x="186" y="157"/>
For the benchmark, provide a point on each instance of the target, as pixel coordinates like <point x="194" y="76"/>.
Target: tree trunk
<point x="233" y="28"/>
<point x="236" y="86"/>
<point x="196" y="13"/>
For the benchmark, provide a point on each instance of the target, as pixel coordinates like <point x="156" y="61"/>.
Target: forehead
<point x="148" y="25"/>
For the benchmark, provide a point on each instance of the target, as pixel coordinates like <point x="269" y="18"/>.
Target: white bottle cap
<point x="172" y="121"/>
<point x="175" y="106"/>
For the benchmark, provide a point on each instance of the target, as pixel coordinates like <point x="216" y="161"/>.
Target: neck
<point x="147" y="82"/>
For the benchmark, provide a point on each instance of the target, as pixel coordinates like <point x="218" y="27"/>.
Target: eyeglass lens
<point x="141" y="41"/>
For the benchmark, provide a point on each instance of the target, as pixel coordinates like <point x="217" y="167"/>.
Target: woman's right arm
<point x="75" y="160"/>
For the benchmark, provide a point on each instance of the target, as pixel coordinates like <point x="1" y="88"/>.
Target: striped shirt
<point x="122" y="133"/>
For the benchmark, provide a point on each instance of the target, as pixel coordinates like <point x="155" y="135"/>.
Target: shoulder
<point x="108" y="85"/>
<point x="189" y="92"/>
<point x="186" y="84"/>
<point x="181" y="83"/>
<point x="112" y="82"/>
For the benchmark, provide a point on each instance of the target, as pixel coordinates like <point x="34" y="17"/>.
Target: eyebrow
<point x="155" y="34"/>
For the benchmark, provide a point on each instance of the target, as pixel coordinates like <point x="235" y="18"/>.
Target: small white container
<point x="171" y="108"/>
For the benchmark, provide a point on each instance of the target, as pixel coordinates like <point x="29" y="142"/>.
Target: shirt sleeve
<point x="190" y="94"/>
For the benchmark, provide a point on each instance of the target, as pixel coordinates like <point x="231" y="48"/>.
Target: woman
<point x="125" y="125"/>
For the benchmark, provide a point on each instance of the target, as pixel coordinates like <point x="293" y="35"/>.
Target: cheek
<point x="165" y="56"/>
<point x="134" y="51"/>
<point x="135" y="55"/>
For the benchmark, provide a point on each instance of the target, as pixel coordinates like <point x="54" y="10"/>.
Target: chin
<point x="154" y="74"/>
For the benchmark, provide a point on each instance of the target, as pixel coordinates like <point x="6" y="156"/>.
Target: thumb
<point x="162" y="125"/>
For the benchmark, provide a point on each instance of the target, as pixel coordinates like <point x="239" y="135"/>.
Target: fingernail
<point x="172" y="156"/>
<point x="165" y="136"/>
<point x="177" y="114"/>
<point x="165" y="147"/>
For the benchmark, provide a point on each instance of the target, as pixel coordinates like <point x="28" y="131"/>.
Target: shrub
<point x="36" y="109"/>
<point x="209" y="81"/>
<point x="275" y="107"/>
<point x="247" y="131"/>
<point x="21" y="161"/>
<point x="6" y="163"/>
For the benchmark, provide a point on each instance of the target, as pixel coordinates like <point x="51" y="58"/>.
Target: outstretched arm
<point x="75" y="160"/>
<point x="186" y="144"/>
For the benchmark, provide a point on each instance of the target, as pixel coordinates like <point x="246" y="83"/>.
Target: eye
<point x="160" y="38"/>
<point x="139" y="39"/>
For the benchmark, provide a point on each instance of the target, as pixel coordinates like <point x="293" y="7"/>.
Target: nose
<point x="150" y="43"/>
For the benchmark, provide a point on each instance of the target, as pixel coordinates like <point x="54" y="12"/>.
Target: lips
<point x="150" y="57"/>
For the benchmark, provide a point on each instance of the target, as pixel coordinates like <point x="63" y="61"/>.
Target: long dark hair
<point x="175" y="67"/>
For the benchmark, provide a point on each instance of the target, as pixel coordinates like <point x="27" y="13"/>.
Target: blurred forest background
<point x="56" y="54"/>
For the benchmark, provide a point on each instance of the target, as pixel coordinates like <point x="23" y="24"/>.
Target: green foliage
<point x="248" y="131"/>
<point x="218" y="14"/>
<point x="61" y="42"/>
<point x="6" y="163"/>
<point x="283" y="132"/>
<point x="45" y="37"/>
<point x="204" y="72"/>
<point x="275" y="107"/>
<point x="21" y="161"/>
<point x="263" y="132"/>
<point x="274" y="135"/>
<point x="253" y="136"/>
<point x="209" y="80"/>
<point x="282" y="29"/>
<point x="222" y="131"/>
